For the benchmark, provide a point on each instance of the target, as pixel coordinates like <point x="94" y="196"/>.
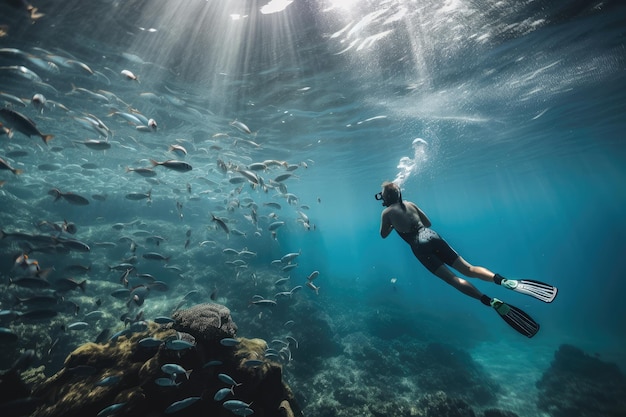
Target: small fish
<point x="313" y="275"/>
<point x="220" y="223"/>
<point x="241" y="127"/>
<point x="178" y="149"/>
<point x="179" y="405"/>
<point x="273" y="205"/>
<point x="69" y="197"/>
<point x="109" y="381"/>
<point x="144" y="172"/>
<point x="275" y="225"/>
<point x="288" y="267"/>
<point x="245" y="411"/>
<point x="96" y="144"/>
<point x="223" y="393"/>
<point x="235" y="404"/>
<point x="68" y="284"/>
<point x="39" y="102"/>
<point x="281" y="281"/>
<point x="129" y="75"/>
<point x="292" y="341"/>
<point x="175" y="369"/>
<point x="227" y="380"/>
<point x="177" y="344"/>
<point x="282" y="177"/>
<point x="96" y="314"/>
<point x="313" y="287"/>
<point x="163" y="320"/>
<point x="5" y="165"/>
<point x="73" y="244"/>
<point x="155" y="256"/>
<point x="79" y="325"/>
<point x="23" y="124"/>
<point x="249" y="175"/>
<point x="166" y="382"/>
<point x="139" y="196"/>
<point x="253" y="363"/>
<point x="289" y="257"/>
<point x="264" y="303"/>
<point x="112" y="409"/>
<point x="229" y="341"/>
<point x="174" y="165"/>
<point x="150" y="342"/>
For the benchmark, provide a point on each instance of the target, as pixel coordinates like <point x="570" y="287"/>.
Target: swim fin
<point x="540" y="290"/>
<point x="516" y="318"/>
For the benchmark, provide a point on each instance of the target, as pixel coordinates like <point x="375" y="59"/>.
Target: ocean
<point x="503" y="121"/>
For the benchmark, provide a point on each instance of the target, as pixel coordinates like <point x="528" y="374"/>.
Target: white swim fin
<point x="539" y="290"/>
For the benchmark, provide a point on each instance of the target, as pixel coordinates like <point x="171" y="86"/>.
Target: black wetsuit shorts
<point x="431" y="250"/>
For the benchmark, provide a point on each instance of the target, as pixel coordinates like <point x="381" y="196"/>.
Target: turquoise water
<point x="521" y="109"/>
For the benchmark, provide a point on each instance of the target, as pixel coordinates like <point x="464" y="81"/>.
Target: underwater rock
<point x="126" y="378"/>
<point x="207" y="322"/>
<point x="440" y="405"/>
<point x="444" y="368"/>
<point x="581" y="385"/>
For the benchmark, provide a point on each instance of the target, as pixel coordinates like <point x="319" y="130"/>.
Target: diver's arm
<point x="385" y="224"/>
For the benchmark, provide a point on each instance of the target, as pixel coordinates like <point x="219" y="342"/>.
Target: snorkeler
<point x="434" y="253"/>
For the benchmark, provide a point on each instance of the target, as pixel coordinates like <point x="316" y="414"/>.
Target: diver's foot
<point x="515" y="318"/>
<point x="540" y="290"/>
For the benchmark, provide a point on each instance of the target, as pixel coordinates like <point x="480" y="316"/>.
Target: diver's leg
<point x="460" y="284"/>
<point x="472" y="271"/>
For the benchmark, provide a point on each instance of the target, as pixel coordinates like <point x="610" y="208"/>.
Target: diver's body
<point x="412" y="224"/>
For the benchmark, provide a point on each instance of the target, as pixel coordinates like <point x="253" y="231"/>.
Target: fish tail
<point x="10" y="133"/>
<point x="154" y="163"/>
<point x="47" y="138"/>
<point x="82" y="285"/>
<point x="17" y="171"/>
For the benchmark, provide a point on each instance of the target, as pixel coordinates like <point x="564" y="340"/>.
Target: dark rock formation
<point x="208" y="322"/>
<point x="577" y="384"/>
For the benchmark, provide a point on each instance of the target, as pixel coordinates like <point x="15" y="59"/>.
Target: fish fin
<point x="17" y="171"/>
<point x="10" y="133"/>
<point x="154" y="163"/>
<point x="47" y="138"/>
<point x="34" y="14"/>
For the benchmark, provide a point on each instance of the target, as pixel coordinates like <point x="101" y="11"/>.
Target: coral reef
<point x="126" y="376"/>
<point x="577" y="384"/>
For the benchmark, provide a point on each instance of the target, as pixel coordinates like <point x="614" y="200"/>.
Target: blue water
<point x="520" y="104"/>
